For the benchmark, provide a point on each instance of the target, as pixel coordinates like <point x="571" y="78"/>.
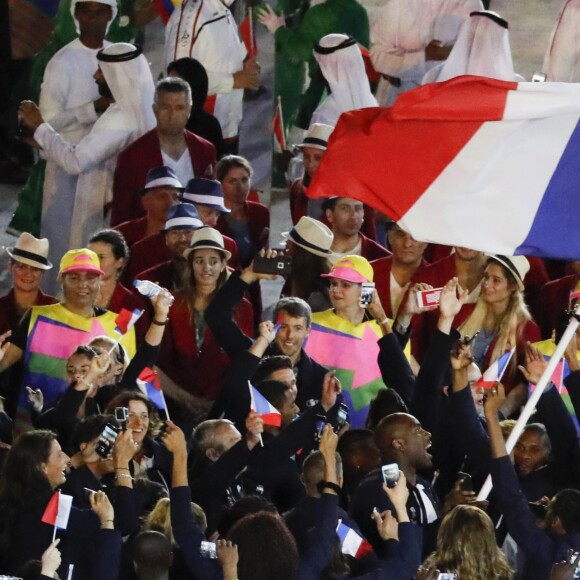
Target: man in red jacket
<point x="170" y="144"/>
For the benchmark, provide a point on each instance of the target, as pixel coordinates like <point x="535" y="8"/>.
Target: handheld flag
<point x="126" y="320"/>
<point x="278" y="127"/>
<point x="165" y="8"/>
<point x="259" y="404"/>
<point x="496" y="370"/>
<point x="351" y="542"/>
<point x="248" y="34"/>
<point x="149" y="385"/>
<point x="57" y="511"/>
<point x="505" y="152"/>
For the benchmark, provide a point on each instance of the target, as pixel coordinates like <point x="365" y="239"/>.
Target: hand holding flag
<point x="259" y="404"/>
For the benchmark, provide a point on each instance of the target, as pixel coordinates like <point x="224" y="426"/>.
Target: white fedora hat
<point x="30" y="250"/>
<point x="317" y="136"/>
<point x="313" y="236"/>
<point x="208" y="238"/>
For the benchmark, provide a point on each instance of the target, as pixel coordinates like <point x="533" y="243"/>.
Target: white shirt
<point x="562" y="59"/>
<point x="182" y="167"/>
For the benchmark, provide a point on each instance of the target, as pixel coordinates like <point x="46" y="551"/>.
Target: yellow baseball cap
<point x="83" y="260"/>
<point x="353" y="269"/>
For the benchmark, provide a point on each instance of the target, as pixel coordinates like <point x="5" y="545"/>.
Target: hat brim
<point x="511" y="268"/>
<point x="312" y="145"/>
<point x="316" y="251"/>
<point x="89" y="269"/>
<point x="202" y="246"/>
<point x="28" y="261"/>
<point x="347" y="274"/>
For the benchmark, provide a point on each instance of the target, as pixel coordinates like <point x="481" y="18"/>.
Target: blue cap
<point x="182" y="216"/>
<point x="161" y="176"/>
<point x="205" y="191"/>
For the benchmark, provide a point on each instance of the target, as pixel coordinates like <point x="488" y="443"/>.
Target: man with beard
<point x="124" y="70"/>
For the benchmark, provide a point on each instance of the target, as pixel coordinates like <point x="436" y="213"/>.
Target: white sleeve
<point x="92" y="150"/>
<point x="561" y="62"/>
<point x="219" y="82"/>
<point x="54" y="95"/>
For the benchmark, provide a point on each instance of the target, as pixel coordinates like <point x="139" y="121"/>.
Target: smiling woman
<point x="190" y="355"/>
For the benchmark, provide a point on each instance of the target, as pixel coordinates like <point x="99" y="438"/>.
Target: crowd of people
<point x="157" y="422"/>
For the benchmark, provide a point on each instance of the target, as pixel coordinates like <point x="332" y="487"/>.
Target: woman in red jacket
<point x="190" y="355"/>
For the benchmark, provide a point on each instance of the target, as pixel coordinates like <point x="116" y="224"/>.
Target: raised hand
<point x="535" y="364"/>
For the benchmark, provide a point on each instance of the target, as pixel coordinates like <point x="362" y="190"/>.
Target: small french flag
<point x="259" y="404"/>
<point x="126" y="319"/>
<point x="58" y="510"/>
<point x="495" y="372"/>
<point x="351" y="542"/>
<point x="148" y="382"/>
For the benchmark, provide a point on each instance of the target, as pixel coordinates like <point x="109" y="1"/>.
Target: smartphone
<point x="341" y="417"/>
<point x="429" y="297"/>
<point x="391" y="474"/>
<point x="122" y="416"/>
<point x="466" y="481"/>
<point x="367" y="292"/>
<point x="107" y="440"/>
<point x="208" y="550"/>
<point x="447" y="576"/>
<point x="279" y="265"/>
<point x="319" y="427"/>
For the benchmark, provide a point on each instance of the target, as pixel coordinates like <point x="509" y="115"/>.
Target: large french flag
<point x="476" y="162"/>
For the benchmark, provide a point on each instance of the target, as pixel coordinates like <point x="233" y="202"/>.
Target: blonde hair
<point x="506" y="330"/>
<point x="159" y="518"/>
<point x="466" y="545"/>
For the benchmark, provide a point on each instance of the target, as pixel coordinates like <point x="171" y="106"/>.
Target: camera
<point x="367" y="291"/>
<point x="391" y="474"/>
<point x="208" y="550"/>
<point x="107" y="440"/>
<point x="122" y="416"/>
<point x="319" y="427"/>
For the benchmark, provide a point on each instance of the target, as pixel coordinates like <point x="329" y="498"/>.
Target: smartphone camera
<point x="447" y="576"/>
<point x="208" y="550"/>
<point x="366" y="294"/>
<point x="391" y="474"/>
<point x="107" y="440"/>
<point x="466" y="481"/>
<point x="341" y="417"/>
<point x="122" y="416"/>
<point x="319" y="427"/>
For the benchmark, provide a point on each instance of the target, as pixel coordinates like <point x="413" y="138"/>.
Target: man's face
<point x="236" y="186"/>
<point x="208" y="214"/>
<point x="347" y="216"/>
<point x="406" y="250"/>
<point x="93" y="18"/>
<point x="288" y="409"/>
<point x="26" y="278"/>
<point x="530" y="452"/>
<point x="287" y="377"/>
<point x="104" y="89"/>
<point x="293" y="332"/>
<point x="177" y="241"/>
<point x="156" y="202"/>
<point x="413" y="442"/>
<point x="312" y="158"/>
<point x="225" y="437"/>
<point x="172" y="111"/>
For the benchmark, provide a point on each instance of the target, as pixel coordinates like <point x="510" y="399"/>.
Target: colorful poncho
<point x="352" y="350"/>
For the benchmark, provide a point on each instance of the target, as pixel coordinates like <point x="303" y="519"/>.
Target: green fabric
<point x="26" y="218"/>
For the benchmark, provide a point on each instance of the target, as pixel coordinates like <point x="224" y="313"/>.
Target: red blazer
<point x="151" y="251"/>
<point x="200" y="372"/>
<point x="258" y="217"/>
<point x="9" y="317"/>
<point x="372" y="250"/>
<point x="133" y="230"/>
<point x="138" y="158"/>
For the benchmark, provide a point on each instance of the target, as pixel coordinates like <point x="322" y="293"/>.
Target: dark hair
<point x="194" y="73"/>
<point x="269" y="365"/>
<point x="88" y="429"/>
<point x="295" y="307"/>
<point x="172" y="85"/>
<point x="22" y="478"/>
<point x="386" y="402"/>
<point x="274" y="391"/>
<point x="329" y="203"/>
<point x="152" y="551"/>
<point x="352" y="437"/>
<point x="125" y="397"/>
<point x="117" y="242"/>
<point x="266" y="548"/>
<point x="228" y="162"/>
<point x="566" y="506"/>
<point x="249" y="504"/>
<point x="307" y="269"/>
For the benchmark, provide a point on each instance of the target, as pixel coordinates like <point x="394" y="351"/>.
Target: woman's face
<point x="110" y="265"/>
<point x="207" y="266"/>
<point x="138" y="420"/>
<point x="236" y="186"/>
<point x="344" y="294"/>
<point x="496" y="288"/>
<point x="81" y="289"/>
<point x="77" y="367"/>
<point x="55" y="466"/>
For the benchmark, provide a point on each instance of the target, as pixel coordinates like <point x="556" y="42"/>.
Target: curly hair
<point x="466" y="545"/>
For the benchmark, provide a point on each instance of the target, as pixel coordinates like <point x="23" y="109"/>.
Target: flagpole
<point x="282" y="121"/>
<point x="71" y="567"/>
<point x="535" y="396"/>
<point x="164" y="403"/>
<point x="253" y="406"/>
<point x="252" y="45"/>
<point x="55" y="528"/>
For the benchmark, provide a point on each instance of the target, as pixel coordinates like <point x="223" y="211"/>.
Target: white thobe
<point x="562" y="59"/>
<point x="206" y="30"/>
